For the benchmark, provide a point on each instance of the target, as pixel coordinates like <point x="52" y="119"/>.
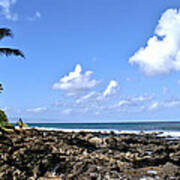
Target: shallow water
<point x="139" y="126"/>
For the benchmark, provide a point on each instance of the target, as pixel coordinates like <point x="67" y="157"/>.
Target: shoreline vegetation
<point x="42" y="154"/>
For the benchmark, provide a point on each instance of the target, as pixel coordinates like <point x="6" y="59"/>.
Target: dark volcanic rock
<point x="35" y="154"/>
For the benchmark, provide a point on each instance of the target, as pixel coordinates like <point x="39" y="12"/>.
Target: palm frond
<point x="9" y="52"/>
<point x="1" y="88"/>
<point x="5" y="32"/>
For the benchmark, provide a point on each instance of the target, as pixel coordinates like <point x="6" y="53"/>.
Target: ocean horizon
<point x="173" y="126"/>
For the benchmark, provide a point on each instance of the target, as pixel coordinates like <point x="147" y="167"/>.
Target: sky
<point x="91" y="61"/>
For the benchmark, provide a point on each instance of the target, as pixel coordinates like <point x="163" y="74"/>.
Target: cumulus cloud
<point x="162" y="52"/>
<point x="97" y="96"/>
<point x="76" y="81"/>
<point x="37" y="110"/>
<point x="5" y="9"/>
<point x="111" y="88"/>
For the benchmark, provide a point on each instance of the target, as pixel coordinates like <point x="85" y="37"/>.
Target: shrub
<point x="4" y="124"/>
<point x="3" y="117"/>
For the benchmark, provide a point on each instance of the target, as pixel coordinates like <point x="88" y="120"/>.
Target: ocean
<point x="130" y="126"/>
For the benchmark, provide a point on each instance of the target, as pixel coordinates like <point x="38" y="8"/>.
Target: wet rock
<point x="171" y="170"/>
<point x="38" y="154"/>
<point x="95" y="140"/>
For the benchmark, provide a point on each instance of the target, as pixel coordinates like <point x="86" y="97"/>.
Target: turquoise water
<point x="140" y="126"/>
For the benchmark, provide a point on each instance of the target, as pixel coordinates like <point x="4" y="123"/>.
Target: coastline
<point x="165" y="133"/>
<point x="169" y="128"/>
<point x="36" y="153"/>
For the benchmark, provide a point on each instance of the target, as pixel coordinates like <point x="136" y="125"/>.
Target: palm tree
<point x="5" y="32"/>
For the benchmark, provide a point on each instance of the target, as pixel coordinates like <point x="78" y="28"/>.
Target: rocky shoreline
<point x="40" y="154"/>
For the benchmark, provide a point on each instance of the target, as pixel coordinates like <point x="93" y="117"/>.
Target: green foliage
<point x="10" y="51"/>
<point x="5" y="32"/>
<point x="4" y="124"/>
<point x="3" y="117"/>
<point x="21" y="124"/>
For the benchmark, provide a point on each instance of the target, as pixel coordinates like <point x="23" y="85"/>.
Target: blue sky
<point x="95" y="61"/>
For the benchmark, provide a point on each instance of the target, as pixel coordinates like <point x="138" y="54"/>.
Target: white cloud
<point x="6" y="11"/>
<point x="95" y="101"/>
<point x="111" y="88"/>
<point x="76" y="81"/>
<point x="154" y="106"/>
<point x="123" y="103"/>
<point x="36" y="16"/>
<point x="37" y="110"/>
<point x="162" y="52"/>
<point x="5" y="108"/>
<point x="133" y="104"/>
<point x="142" y="98"/>
<point x="67" y="111"/>
<point x="5" y="6"/>
<point x="86" y="97"/>
<point x="171" y="103"/>
<point x="135" y="101"/>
